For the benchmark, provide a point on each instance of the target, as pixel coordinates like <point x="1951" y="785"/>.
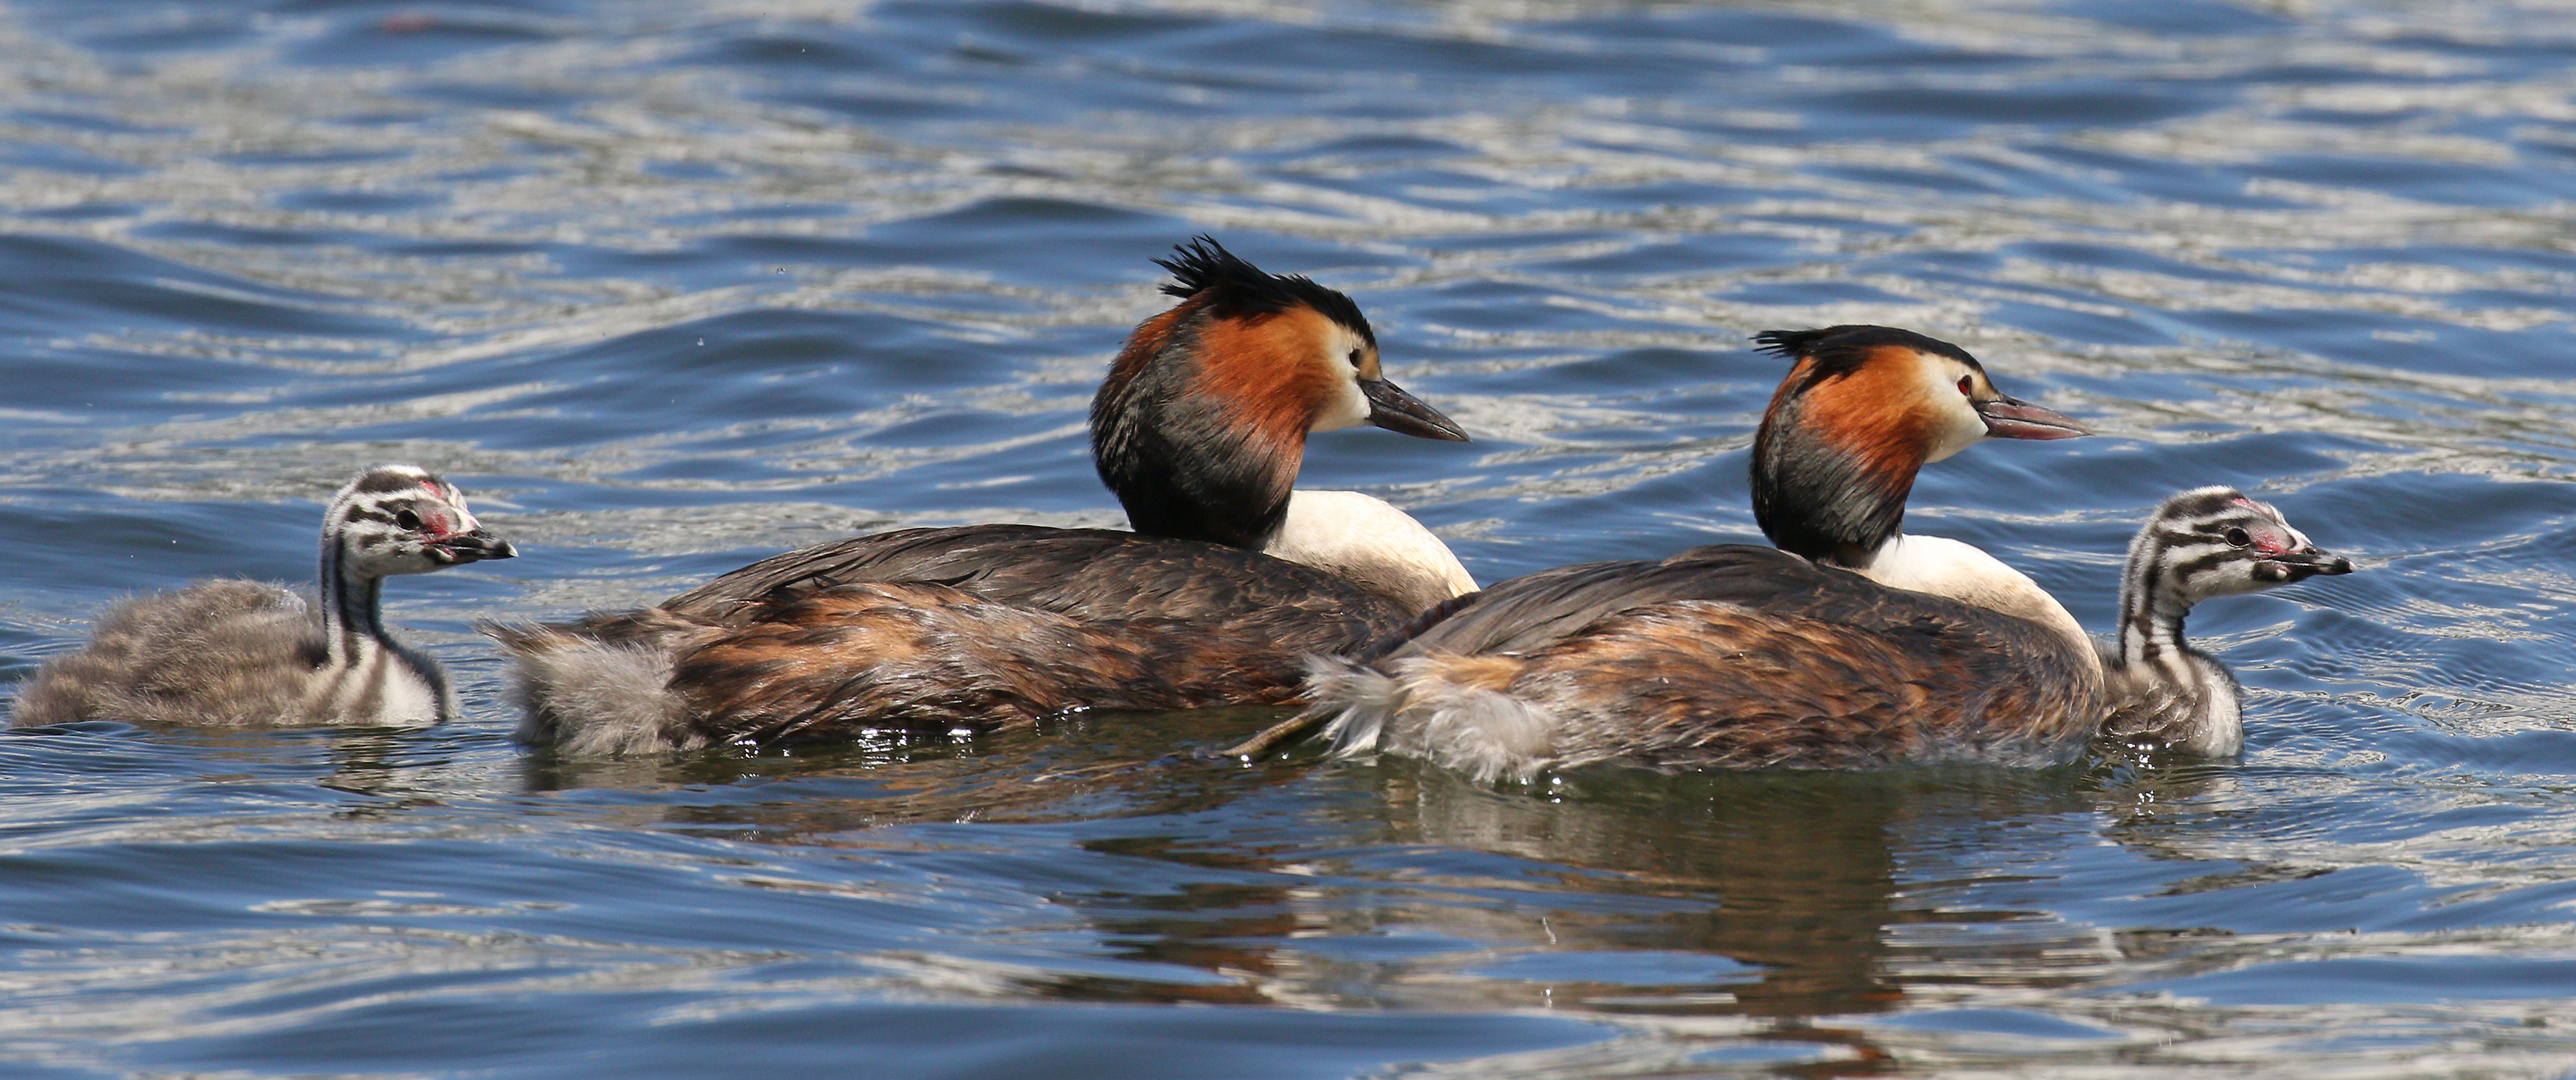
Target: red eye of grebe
<point x="1964" y="383"/>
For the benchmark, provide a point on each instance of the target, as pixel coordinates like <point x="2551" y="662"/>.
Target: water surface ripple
<point x="668" y="286"/>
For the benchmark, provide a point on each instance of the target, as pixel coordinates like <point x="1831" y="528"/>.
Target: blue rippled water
<point x="670" y="286"/>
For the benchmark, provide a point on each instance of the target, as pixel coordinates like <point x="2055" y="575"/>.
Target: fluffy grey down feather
<point x="223" y="653"/>
<point x="1415" y="712"/>
<point x="621" y="692"/>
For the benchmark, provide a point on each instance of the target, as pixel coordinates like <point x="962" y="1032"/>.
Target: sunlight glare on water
<point x="668" y="287"/>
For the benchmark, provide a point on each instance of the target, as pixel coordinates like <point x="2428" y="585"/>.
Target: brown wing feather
<point x="1528" y="612"/>
<point x="1700" y="684"/>
<point x="935" y="628"/>
<point x="1093" y="575"/>
<point x="825" y="662"/>
<point x="1733" y="656"/>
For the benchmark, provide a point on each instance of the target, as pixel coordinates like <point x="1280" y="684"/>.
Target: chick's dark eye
<point x="2238" y="538"/>
<point x="1355" y="358"/>
<point x="406" y="519"/>
<point x="1965" y="384"/>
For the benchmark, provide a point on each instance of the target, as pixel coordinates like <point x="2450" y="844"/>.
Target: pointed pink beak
<point x="2011" y="418"/>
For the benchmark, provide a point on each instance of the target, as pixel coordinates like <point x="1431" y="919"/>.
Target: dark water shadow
<point x="1079" y="767"/>
<point x="1804" y="867"/>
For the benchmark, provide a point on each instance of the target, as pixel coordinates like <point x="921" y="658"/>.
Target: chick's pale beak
<point x="1393" y="409"/>
<point x="2308" y="562"/>
<point x="2011" y="418"/>
<point x="474" y="546"/>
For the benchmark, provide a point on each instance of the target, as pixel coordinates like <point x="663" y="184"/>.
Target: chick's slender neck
<point x="2151" y="617"/>
<point x="353" y="626"/>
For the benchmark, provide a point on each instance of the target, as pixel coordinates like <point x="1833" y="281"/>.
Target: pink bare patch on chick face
<point x="435" y="522"/>
<point x="2266" y="539"/>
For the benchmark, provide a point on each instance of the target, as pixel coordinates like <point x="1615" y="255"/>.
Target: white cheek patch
<point x="1349" y="407"/>
<point x="1956" y="425"/>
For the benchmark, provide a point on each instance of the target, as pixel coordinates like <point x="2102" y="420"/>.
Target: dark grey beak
<point x="2011" y="418"/>
<point x="1393" y="409"/>
<point x="2303" y="564"/>
<point x="473" y="546"/>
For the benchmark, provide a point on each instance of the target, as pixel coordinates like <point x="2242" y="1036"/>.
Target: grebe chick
<point x="1229" y="578"/>
<point x="1851" y="645"/>
<point x="2206" y="542"/>
<point x="234" y="653"/>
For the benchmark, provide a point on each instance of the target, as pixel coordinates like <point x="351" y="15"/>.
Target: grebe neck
<point x="353" y="629"/>
<point x="1370" y="542"/>
<point x="1965" y="573"/>
<point x="1182" y="462"/>
<point x="2150" y="621"/>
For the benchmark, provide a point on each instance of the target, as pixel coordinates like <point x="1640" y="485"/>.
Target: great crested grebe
<point x="236" y="653"/>
<point x="1231" y="576"/>
<point x="2203" y="543"/>
<point x="1850" y="645"/>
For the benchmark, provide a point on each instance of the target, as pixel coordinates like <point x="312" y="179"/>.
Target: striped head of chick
<point x="2203" y="543"/>
<point x="1201" y="424"/>
<point x="1862" y="410"/>
<point x="2215" y="541"/>
<point x="400" y="519"/>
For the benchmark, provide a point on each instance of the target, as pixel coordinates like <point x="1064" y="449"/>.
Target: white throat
<point x="1964" y="572"/>
<point x="1372" y="543"/>
<point x="1348" y="409"/>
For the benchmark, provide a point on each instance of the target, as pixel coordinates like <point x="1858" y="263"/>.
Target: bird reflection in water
<point x="1073" y="767"/>
<point x="1814" y="896"/>
<point x="1817" y="879"/>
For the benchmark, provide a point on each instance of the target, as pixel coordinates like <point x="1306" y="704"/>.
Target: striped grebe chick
<point x="235" y="653"/>
<point x="1229" y="578"/>
<point x="2202" y="543"/>
<point x="1849" y="645"/>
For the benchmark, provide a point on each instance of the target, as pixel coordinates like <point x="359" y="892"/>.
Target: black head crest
<point x="1204" y="270"/>
<point x="1832" y="352"/>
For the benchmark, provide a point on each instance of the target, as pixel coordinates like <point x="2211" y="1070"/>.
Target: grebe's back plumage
<point x="1723" y="657"/>
<point x="1849" y="645"/>
<point x="1091" y="575"/>
<point x="1199" y="427"/>
<point x="2203" y="543"/>
<point x="232" y="653"/>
